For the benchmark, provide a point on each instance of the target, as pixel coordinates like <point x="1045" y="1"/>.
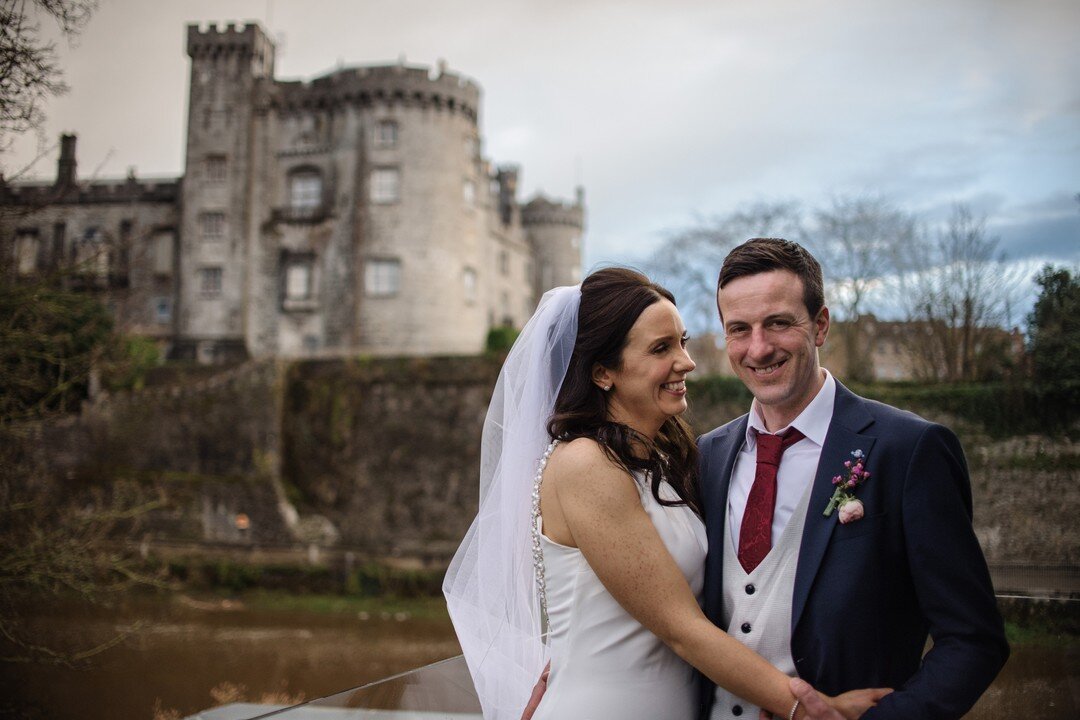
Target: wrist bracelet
<point x="791" y="715"/>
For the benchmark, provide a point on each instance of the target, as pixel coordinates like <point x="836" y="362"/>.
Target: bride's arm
<point x="590" y="503"/>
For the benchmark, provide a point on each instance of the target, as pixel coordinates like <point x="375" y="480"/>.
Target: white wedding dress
<point x="604" y="664"/>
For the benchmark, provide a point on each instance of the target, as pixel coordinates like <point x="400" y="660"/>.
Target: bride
<point x="588" y="548"/>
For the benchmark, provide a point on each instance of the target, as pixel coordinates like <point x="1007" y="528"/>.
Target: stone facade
<point x="352" y="213"/>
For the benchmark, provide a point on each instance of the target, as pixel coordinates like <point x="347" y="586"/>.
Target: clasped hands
<point x="814" y="706"/>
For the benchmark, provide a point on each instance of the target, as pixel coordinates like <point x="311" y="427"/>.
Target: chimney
<point x="65" y="167"/>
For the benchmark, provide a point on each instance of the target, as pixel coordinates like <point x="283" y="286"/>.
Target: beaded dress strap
<point x="537" y="550"/>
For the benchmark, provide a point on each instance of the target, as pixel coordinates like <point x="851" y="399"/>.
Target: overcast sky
<point x="666" y="112"/>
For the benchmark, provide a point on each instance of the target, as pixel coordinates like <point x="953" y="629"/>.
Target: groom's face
<point x="772" y="342"/>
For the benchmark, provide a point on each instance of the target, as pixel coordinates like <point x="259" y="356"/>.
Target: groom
<point x="843" y="599"/>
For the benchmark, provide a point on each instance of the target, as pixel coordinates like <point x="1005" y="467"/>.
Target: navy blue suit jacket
<point x="868" y="593"/>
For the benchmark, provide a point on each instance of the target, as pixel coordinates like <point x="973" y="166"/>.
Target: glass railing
<point x="440" y="691"/>
<point x="1041" y="604"/>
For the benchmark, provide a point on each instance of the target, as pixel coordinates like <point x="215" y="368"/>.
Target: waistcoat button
<point x="750" y="589"/>
<point x="737" y="710"/>
<point x="745" y="627"/>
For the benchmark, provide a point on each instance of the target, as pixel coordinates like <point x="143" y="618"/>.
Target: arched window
<point x="305" y="192"/>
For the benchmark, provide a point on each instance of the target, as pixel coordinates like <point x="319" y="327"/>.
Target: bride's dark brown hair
<point x="612" y="299"/>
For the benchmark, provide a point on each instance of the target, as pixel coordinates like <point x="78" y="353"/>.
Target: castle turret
<point x="507" y="179"/>
<point x="230" y="69"/>
<point x="555" y="228"/>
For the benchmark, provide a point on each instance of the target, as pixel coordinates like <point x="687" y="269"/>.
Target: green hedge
<point x="1000" y="408"/>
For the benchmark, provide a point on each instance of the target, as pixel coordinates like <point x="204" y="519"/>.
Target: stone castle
<point x="352" y="213"/>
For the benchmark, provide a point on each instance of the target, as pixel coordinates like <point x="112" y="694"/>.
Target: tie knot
<point x="771" y="447"/>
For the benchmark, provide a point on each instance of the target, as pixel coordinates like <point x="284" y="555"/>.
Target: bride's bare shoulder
<point x="583" y="460"/>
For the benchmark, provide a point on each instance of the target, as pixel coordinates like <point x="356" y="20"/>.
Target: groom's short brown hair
<point x="759" y="255"/>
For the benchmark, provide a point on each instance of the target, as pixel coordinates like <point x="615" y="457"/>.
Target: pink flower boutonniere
<point x="851" y="509"/>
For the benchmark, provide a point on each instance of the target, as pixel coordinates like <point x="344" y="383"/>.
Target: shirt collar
<point x="813" y="421"/>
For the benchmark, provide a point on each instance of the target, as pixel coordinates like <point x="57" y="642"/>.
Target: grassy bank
<point x="374" y="608"/>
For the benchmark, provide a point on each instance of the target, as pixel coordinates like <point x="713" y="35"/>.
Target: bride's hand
<point x="537" y="693"/>
<point x="815" y="706"/>
<point x="854" y="703"/>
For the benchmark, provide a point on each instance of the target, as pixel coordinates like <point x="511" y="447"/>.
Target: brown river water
<point x="184" y="650"/>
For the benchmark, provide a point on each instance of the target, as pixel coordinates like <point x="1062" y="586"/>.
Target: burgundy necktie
<point x="755" y="534"/>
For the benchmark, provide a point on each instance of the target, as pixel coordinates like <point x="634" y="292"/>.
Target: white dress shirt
<point x="797" y="466"/>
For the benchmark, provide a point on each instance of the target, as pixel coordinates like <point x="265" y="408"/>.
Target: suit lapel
<point x="722" y="452"/>
<point x="850" y="417"/>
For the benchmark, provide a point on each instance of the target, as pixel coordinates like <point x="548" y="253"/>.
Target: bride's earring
<point x="606" y="388"/>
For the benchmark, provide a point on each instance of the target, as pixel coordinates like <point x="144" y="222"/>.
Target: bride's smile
<point x="649" y="386"/>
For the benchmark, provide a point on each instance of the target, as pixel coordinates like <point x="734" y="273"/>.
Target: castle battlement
<point x="246" y="40"/>
<point x="35" y="194"/>
<point x="389" y="84"/>
<point x="543" y="211"/>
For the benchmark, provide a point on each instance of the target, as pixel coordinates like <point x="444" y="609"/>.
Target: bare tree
<point x="688" y="262"/>
<point x="855" y="238"/>
<point x="29" y="73"/>
<point x="957" y="292"/>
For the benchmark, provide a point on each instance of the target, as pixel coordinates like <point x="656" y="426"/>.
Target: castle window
<point x="90" y="255"/>
<point x="215" y="169"/>
<point x="298" y="280"/>
<point x="163" y="253"/>
<point x="471" y="148"/>
<point x="58" y="241"/>
<point x="504" y="262"/>
<point x="382" y="277"/>
<point x="385" y="185"/>
<point x="212" y="226"/>
<point x="468" y="278"/>
<point x="386" y="134"/>
<point x="468" y="192"/>
<point x="210" y="282"/>
<point x="504" y="304"/>
<point x="305" y="192"/>
<point x="162" y="310"/>
<point x="120" y="253"/>
<point x="26" y="252"/>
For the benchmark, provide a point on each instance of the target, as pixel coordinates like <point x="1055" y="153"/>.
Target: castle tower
<point x="555" y="230"/>
<point x="230" y="70"/>
<point x="397" y="258"/>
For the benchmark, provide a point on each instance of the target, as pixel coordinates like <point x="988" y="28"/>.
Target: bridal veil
<point x="490" y="586"/>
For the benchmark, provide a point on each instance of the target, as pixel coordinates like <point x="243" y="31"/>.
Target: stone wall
<point x="379" y="457"/>
<point x="207" y="452"/>
<point x="388" y="450"/>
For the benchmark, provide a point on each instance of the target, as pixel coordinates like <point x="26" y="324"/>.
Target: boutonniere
<point x="851" y="509"/>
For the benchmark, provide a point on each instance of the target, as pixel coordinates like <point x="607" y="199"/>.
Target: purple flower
<point x="837" y="480"/>
<point x="847" y="463"/>
<point x="851" y="483"/>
